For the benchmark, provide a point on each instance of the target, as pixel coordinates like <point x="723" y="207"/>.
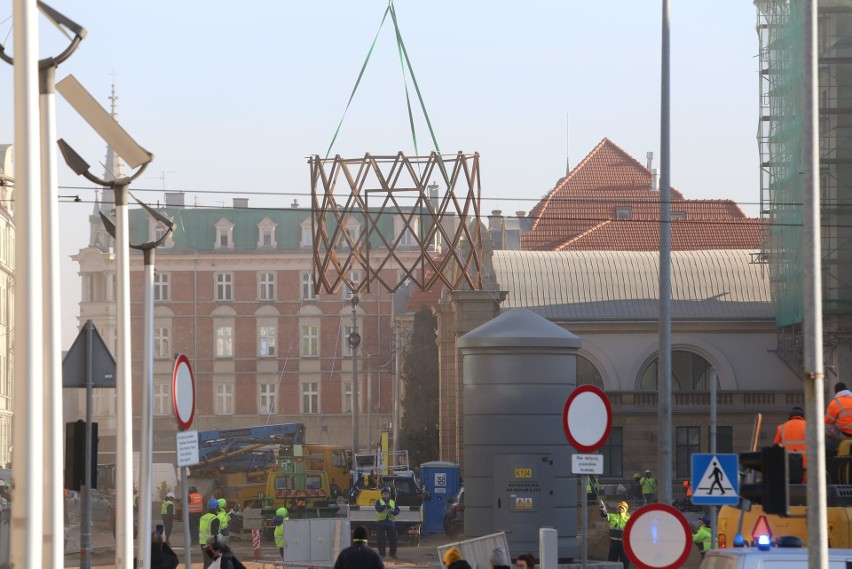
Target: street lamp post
<point x="354" y="342"/>
<point x="124" y="407"/>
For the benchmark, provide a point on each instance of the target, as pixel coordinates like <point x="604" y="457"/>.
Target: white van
<point x="773" y="558"/>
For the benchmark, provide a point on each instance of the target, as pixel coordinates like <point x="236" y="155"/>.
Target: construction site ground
<point x="410" y="554"/>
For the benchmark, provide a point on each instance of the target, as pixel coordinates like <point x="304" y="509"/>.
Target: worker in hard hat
<point x="224" y="519"/>
<point x="167" y="511"/>
<point x="649" y="488"/>
<point x="196" y="510"/>
<point x="616" y="532"/>
<point x="703" y="538"/>
<point x="386" y="512"/>
<point x="208" y="529"/>
<point x="282" y="511"/>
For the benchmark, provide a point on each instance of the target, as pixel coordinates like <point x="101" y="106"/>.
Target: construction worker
<point x="278" y="534"/>
<point x="687" y="489"/>
<point x="4" y="496"/>
<point x="224" y="519"/>
<point x="839" y="412"/>
<point x="195" y="510"/>
<point x="592" y="489"/>
<point x="386" y="510"/>
<point x="208" y="529"/>
<point x="164" y="489"/>
<point x="616" y="532"/>
<point x="359" y="555"/>
<point x="649" y="488"/>
<point x="703" y="538"/>
<point x="791" y="434"/>
<point x="167" y="510"/>
<point x="282" y="511"/>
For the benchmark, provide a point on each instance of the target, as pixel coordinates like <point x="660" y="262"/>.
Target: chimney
<point x="295" y="204"/>
<point x="650" y="157"/>
<point x="240" y="203"/>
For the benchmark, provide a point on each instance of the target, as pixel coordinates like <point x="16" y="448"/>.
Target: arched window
<point x="587" y="373"/>
<point x="690" y="372"/>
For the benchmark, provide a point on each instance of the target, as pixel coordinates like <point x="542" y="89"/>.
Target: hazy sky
<point x="231" y="97"/>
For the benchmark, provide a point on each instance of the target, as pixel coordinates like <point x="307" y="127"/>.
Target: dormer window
<point x="307" y="239"/>
<point x="224" y="234"/>
<point x="353" y="228"/>
<point x="156" y="230"/>
<point x="623" y="212"/>
<point x="406" y="233"/>
<point x="266" y="234"/>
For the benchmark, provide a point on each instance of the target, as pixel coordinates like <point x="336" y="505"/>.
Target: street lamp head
<point x="355" y="300"/>
<point x="74" y="160"/>
<point x="354" y="340"/>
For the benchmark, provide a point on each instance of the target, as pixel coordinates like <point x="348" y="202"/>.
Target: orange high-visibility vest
<point x="195" y="506"/>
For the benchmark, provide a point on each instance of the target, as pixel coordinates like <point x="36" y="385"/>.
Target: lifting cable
<point x="405" y="63"/>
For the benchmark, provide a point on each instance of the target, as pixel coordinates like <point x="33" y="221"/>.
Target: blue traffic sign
<point x="715" y="479"/>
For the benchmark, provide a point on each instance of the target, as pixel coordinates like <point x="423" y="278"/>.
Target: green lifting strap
<point x="404" y="62"/>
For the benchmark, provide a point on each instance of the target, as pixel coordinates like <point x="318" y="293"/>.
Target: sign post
<point x="183" y="399"/>
<point x="587" y="420"/>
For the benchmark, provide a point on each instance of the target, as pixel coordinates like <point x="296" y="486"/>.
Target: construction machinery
<point x="380" y="469"/>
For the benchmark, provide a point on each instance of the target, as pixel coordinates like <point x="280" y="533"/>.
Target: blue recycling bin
<point x="442" y="480"/>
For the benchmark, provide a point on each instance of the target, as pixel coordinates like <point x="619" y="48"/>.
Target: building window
<point x="224" y="342"/>
<point x="406" y="233"/>
<point x="103" y="402"/>
<point x="3" y="300"/>
<point x="224" y="404"/>
<point x="724" y="439"/>
<point x="159" y="231"/>
<point x="307" y="286"/>
<point x="346" y="405"/>
<point x="224" y="286"/>
<point x="623" y="212"/>
<point x="613" y="450"/>
<point x="162" y="399"/>
<point x="310" y="341"/>
<point x="266" y="284"/>
<point x="162" y="345"/>
<point x="690" y="372"/>
<point x="266" y="399"/>
<point x="687" y="442"/>
<point x="266" y="234"/>
<point x="224" y="234"/>
<point x="266" y="337"/>
<point x="587" y="373"/>
<point x="307" y="238"/>
<point x="161" y="287"/>
<point x="310" y="397"/>
<point x="355" y="277"/>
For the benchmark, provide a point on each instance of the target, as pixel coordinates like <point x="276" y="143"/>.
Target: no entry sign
<point x="587" y="418"/>
<point x="657" y="536"/>
<point x="183" y="392"/>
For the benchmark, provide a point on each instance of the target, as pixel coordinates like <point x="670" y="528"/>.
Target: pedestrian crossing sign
<point x="715" y="479"/>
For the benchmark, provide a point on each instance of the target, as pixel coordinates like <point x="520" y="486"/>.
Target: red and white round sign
<point x="183" y="392"/>
<point x="657" y="536"/>
<point x="587" y="418"/>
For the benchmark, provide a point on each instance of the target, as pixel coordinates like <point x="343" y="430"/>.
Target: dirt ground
<point x="424" y="554"/>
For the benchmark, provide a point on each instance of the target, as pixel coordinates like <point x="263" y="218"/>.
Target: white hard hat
<point x="170" y="495"/>
<point x="3" y="483"/>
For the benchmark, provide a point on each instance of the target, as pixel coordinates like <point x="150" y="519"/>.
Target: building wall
<point x="191" y="313"/>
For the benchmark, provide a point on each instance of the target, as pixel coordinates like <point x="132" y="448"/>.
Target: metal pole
<point x="86" y="525"/>
<point x="187" y="538"/>
<point x="713" y="450"/>
<point x="146" y="469"/>
<point x="584" y="481"/>
<point x="124" y="388"/>
<point x="396" y="371"/>
<point x="53" y="529"/>
<point x="354" y="348"/>
<point x="369" y="375"/>
<point x="27" y="487"/>
<point x="817" y="513"/>
<point x="664" y="360"/>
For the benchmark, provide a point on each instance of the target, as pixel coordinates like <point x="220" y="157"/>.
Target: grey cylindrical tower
<point x="519" y="369"/>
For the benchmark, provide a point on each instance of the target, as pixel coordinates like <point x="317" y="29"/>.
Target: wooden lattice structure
<point x="389" y="221"/>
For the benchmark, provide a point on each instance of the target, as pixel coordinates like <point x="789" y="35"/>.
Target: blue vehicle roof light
<point x="763" y="542"/>
<point x="739" y="541"/>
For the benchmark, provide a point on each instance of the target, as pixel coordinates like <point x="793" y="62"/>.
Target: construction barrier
<point x="315" y="541"/>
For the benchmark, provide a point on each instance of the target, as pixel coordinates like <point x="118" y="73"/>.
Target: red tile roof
<point x="609" y="179"/>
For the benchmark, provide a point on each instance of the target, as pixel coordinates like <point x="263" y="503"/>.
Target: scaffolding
<point x="779" y="29"/>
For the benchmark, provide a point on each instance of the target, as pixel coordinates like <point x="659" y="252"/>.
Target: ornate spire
<point x="113" y="167"/>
